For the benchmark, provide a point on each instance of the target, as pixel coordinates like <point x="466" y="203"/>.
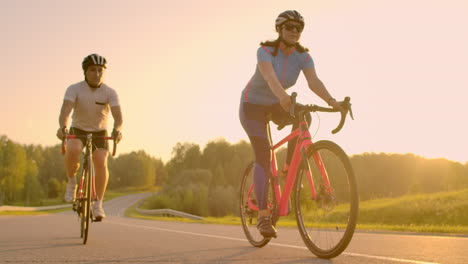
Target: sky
<point x="179" y="68"/>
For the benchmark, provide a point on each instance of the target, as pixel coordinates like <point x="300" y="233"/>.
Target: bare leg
<point x="72" y="158"/>
<point x="102" y="173"/>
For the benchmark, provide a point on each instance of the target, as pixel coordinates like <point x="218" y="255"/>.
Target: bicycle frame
<point x="86" y="192"/>
<point x="88" y="157"/>
<point x="304" y="142"/>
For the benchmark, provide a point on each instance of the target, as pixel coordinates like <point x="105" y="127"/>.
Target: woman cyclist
<point x="279" y="63"/>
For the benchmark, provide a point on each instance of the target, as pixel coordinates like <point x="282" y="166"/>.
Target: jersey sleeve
<point x="113" y="98"/>
<point x="70" y="94"/>
<point x="264" y="54"/>
<point x="308" y="61"/>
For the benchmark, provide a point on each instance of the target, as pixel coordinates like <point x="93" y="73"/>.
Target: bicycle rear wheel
<point x="326" y="223"/>
<point x="249" y="211"/>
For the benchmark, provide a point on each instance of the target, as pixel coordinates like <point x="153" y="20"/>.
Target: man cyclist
<point x="91" y="101"/>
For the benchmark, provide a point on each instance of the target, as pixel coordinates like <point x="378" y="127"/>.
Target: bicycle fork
<point x="325" y="188"/>
<point x="325" y="195"/>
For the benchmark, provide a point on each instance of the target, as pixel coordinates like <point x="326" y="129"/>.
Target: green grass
<point x="20" y="213"/>
<point x="427" y="229"/>
<point x="436" y="209"/>
<point x="436" y="213"/>
<point x="43" y="202"/>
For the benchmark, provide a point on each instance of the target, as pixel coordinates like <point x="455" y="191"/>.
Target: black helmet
<point x="288" y="15"/>
<point x="93" y="59"/>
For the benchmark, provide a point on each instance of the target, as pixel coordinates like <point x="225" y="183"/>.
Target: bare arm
<point x="268" y="73"/>
<point x="67" y="107"/>
<point x="317" y="86"/>
<point x="117" y="114"/>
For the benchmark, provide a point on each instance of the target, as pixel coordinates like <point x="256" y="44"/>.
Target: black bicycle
<point x="86" y="191"/>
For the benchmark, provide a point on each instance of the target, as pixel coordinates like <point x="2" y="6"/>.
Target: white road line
<point x="388" y="258"/>
<point x="273" y="244"/>
<point x="179" y="232"/>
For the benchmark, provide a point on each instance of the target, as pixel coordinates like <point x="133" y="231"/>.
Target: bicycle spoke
<point x="248" y="210"/>
<point x="327" y="218"/>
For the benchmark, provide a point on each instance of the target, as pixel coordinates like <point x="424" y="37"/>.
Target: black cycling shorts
<point x="97" y="143"/>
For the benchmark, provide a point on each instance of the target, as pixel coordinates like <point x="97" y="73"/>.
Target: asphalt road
<point x="54" y="238"/>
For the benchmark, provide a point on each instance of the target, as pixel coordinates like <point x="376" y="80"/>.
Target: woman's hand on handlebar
<point x="336" y="105"/>
<point x="285" y="103"/>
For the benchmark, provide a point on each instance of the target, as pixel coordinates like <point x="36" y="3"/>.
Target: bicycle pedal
<point x="270" y="236"/>
<point x="97" y="219"/>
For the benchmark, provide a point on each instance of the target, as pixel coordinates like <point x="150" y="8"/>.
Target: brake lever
<point x="292" y="108"/>
<point x="351" y="112"/>
<point x="348" y="107"/>
<point x="64" y="138"/>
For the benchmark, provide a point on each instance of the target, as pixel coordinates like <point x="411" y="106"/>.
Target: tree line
<point x="33" y="174"/>
<point x="206" y="181"/>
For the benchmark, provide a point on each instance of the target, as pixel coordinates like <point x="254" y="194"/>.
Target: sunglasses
<point x="290" y="27"/>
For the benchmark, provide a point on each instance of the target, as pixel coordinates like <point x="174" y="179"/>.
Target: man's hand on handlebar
<point x="62" y="133"/>
<point x="117" y="135"/>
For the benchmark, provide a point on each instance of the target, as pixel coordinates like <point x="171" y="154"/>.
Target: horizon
<point x="202" y="147"/>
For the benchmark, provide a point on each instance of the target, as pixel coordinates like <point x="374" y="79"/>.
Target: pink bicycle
<point x="325" y="200"/>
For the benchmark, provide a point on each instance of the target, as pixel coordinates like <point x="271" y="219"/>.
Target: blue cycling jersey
<point x="287" y="68"/>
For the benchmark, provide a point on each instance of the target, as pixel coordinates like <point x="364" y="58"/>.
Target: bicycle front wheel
<point x="249" y="210"/>
<point x="86" y="201"/>
<point x="80" y="204"/>
<point x="326" y="214"/>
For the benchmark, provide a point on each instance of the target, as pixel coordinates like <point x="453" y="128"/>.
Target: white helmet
<point x="289" y="15"/>
<point x="93" y="59"/>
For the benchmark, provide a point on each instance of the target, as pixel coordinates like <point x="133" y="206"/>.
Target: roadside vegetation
<point x="444" y="212"/>
<point x="397" y="191"/>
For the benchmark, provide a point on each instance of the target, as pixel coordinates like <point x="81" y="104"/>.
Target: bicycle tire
<point x="327" y="223"/>
<point x="87" y="199"/>
<point x="248" y="215"/>
<point x="80" y="205"/>
<point x="83" y="218"/>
